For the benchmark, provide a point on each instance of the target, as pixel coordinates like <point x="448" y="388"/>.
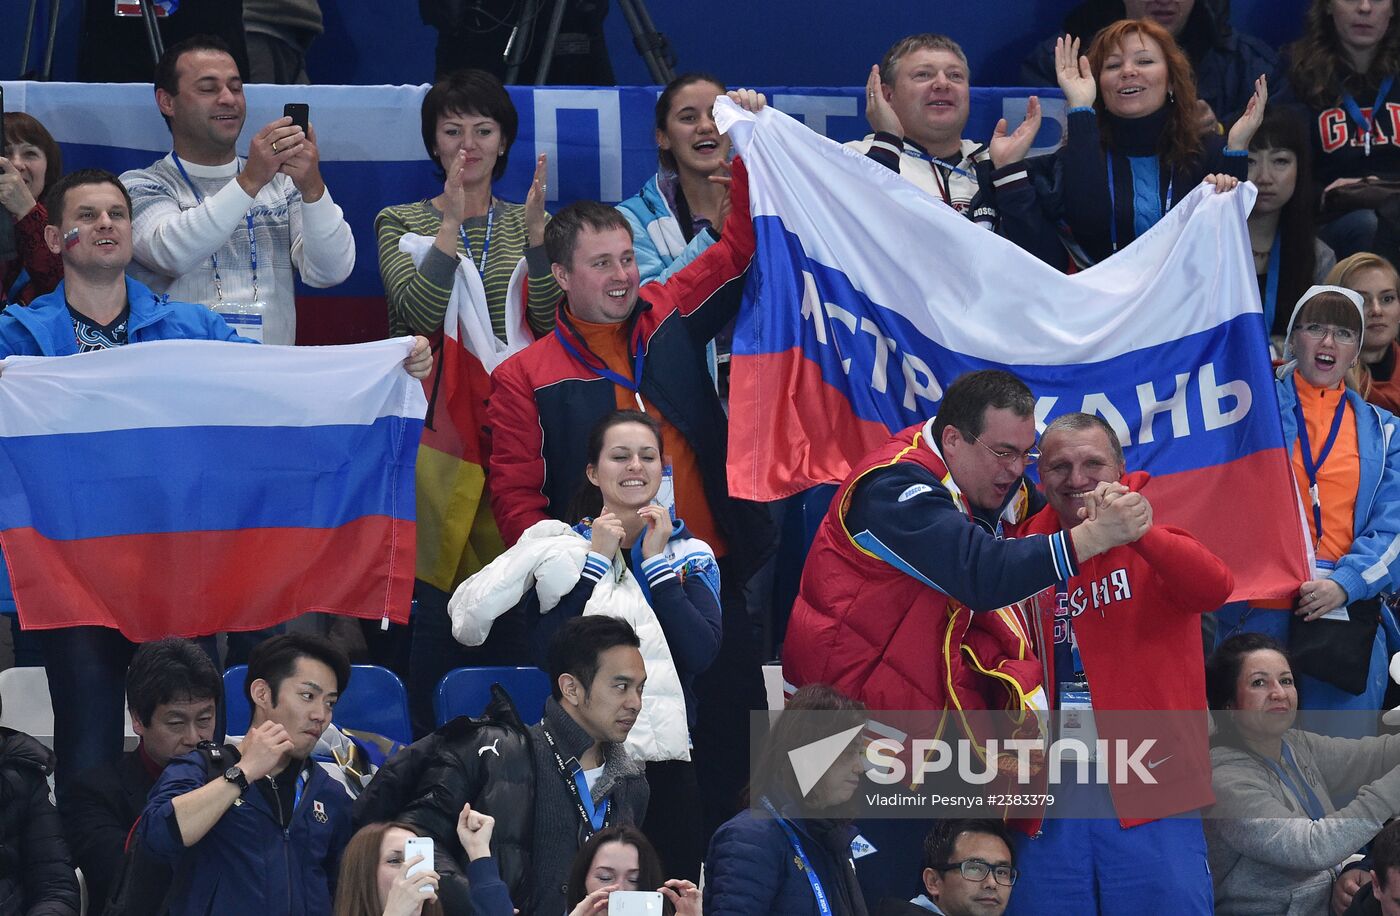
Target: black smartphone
<point x="300" y="113"/>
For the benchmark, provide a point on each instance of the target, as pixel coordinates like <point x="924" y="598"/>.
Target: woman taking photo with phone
<point x="31" y="162"/>
<point x="623" y="859"/>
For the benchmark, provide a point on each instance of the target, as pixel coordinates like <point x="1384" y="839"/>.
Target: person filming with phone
<point x="225" y="230"/>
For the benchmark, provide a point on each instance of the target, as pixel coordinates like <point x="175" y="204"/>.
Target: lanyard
<point x="941" y="180"/>
<point x="1113" y="199"/>
<point x="485" y="246"/>
<point x="213" y="258"/>
<point x="598" y="367"/>
<point x="1311" y="467"/>
<point x="594" y="818"/>
<point x="1367" y="125"/>
<point x="1271" y="283"/>
<point x="1307" y="798"/>
<point x="803" y="862"/>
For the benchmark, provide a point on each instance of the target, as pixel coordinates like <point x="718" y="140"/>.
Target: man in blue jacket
<point x="98" y="306"/>
<point x="265" y="834"/>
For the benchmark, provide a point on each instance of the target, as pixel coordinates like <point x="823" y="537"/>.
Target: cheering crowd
<point x="603" y="545"/>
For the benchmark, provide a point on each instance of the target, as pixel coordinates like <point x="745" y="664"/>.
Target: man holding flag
<point x="97" y="307"/>
<point x="913" y="562"/>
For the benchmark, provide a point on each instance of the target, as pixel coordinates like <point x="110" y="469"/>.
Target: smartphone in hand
<point x="300" y="113"/>
<point x="634" y="903"/>
<point x="418" y="846"/>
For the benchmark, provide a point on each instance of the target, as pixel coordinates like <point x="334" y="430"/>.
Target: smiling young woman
<point x="30" y="162"/>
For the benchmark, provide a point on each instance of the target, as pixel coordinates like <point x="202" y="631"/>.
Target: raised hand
<point x="684" y="896"/>
<point x="474" y="832"/>
<point x="304" y="165"/>
<point x="1221" y="182"/>
<point x="596" y="903"/>
<point x="748" y="99"/>
<point x="534" y="203"/>
<point x="878" y="111"/>
<point x="1073" y="73"/>
<point x="1008" y="148"/>
<point x="1243" y="130"/>
<point x="262" y="749"/>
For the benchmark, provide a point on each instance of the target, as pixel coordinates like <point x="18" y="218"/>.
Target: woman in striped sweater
<point x="469" y="126"/>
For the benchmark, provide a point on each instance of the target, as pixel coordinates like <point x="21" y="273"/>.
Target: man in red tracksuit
<point x="1123" y="633"/>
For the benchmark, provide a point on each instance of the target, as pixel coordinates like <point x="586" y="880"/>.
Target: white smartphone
<point x="421" y="846"/>
<point x="634" y="903"/>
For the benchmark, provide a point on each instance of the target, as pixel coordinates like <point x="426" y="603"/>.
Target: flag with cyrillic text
<point x="867" y="298"/>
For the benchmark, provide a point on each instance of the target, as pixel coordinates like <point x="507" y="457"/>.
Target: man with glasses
<point x="969" y="869"/>
<point x="913" y="587"/>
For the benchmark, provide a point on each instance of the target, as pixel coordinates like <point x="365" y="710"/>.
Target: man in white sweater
<point x="216" y="228"/>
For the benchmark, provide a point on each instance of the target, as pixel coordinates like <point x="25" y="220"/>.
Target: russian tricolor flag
<point x="192" y="487"/>
<point x="867" y="297"/>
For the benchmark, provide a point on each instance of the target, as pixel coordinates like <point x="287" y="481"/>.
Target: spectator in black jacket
<point x="549" y="787"/>
<point x="969" y="869"/>
<point x="1379" y="894"/>
<point x="172" y="689"/>
<point x="1226" y="62"/>
<point x="36" y="874"/>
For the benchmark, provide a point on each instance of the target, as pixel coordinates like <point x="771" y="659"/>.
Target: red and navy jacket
<point x="908" y="601"/>
<point x="1136" y="612"/>
<point x="544" y="402"/>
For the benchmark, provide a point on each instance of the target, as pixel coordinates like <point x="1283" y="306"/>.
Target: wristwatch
<point x="235" y="776"/>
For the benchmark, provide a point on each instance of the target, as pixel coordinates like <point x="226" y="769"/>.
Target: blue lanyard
<point x="1113" y="198"/>
<point x="1311" y="467"/>
<point x="485" y="246"/>
<point x="301" y="788"/>
<point x="1367" y="125"/>
<point x="1307" y="798"/>
<point x="817" y="890"/>
<point x="597" y="814"/>
<point x="1271" y="283"/>
<point x="600" y="368"/>
<point x="938" y="178"/>
<point x="252" y="236"/>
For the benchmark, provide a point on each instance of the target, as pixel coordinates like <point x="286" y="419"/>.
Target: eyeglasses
<point x="1320" y="332"/>
<point x="977" y="870"/>
<point x="1029" y="456"/>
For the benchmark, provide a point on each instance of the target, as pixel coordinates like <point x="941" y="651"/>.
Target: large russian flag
<point x="867" y="297"/>
<point x="192" y="487"/>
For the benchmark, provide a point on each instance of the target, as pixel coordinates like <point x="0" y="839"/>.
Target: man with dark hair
<point x="969" y="869"/>
<point x="265" y="833"/>
<point x="216" y="228"/>
<point x="1379" y="894"/>
<point x="1123" y="632"/>
<point x="172" y="690"/>
<point x="550" y="786"/>
<point x="615" y="347"/>
<point x="97" y="306"/>
<point x="913" y="558"/>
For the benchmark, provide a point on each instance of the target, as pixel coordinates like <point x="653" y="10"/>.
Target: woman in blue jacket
<point x="1345" y="454"/>
<point x="782" y="856"/>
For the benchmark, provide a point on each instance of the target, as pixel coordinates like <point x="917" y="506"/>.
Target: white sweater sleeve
<point x="175" y="242"/>
<point x="323" y="248"/>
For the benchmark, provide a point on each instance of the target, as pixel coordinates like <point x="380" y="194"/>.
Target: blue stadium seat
<point x="374" y="702"/>
<point x="466" y="691"/>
